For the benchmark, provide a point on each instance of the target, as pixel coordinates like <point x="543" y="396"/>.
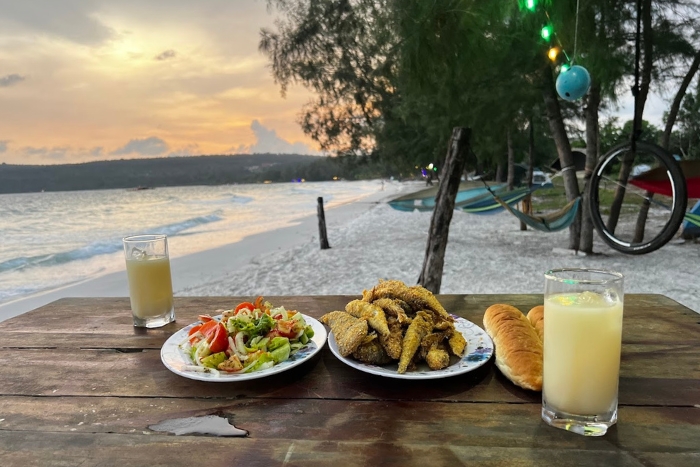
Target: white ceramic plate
<point x="176" y="360"/>
<point x="479" y="350"/>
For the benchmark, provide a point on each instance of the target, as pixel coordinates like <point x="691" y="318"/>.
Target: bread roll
<point x="536" y="317"/>
<point x="519" y="353"/>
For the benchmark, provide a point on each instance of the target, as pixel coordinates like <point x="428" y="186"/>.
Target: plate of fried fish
<point x="404" y="332"/>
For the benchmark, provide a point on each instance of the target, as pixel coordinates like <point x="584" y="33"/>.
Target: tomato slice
<point x="216" y="335"/>
<point x="219" y="339"/>
<point x="244" y="306"/>
<point x="205" y="318"/>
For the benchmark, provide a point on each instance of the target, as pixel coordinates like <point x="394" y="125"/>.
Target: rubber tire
<point x="680" y="201"/>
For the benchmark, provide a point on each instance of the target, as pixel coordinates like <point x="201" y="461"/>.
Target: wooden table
<point x="79" y="386"/>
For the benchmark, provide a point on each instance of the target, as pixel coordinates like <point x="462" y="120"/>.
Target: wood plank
<point x="672" y="379"/>
<point x="347" y="432"/>
<point x="20" y="449"/>
<point x="642" y="429"/>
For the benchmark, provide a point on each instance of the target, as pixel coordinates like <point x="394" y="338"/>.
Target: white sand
<point x="370" y="240"/>
<point x="485" y="254"/>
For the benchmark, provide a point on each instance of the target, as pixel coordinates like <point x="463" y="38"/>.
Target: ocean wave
<point x="229" y="199"/>
<point x="100" y="247"/>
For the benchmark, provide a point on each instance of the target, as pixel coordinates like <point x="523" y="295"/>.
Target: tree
<point x="343" y="51"/>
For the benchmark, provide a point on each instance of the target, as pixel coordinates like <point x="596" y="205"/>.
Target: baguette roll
<point x="519" y="351"/>
<point x="536" y="317"/>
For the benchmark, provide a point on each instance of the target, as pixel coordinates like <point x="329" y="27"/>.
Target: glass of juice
<point x="582" y="342"/>
<point x="150" y="284"/>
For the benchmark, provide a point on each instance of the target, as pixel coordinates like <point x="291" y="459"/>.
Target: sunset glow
<point x="94" y="80"/>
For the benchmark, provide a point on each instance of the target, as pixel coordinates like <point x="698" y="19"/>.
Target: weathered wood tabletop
<point x="80" y="386"/>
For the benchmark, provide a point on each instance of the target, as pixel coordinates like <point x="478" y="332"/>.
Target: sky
<point x="87" y="80"/>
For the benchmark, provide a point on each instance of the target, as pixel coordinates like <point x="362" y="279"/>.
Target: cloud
<point x="165" y="55"/>
<point x="11" y="80"/>
<point x="97" y="151"/>
<point x="267" y="141"/>
<point x="73" y="20"/>
<point x="3" y="146"/>
<point x="55" y="153"/>
<point x="152" y="146"/>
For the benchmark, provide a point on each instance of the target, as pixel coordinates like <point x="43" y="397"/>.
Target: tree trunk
<point x="499" y="172"/>
<point x="527" y="201"/>
<point x="511" y="161"/>
<point x="676" y="105"/>
<point x="646" y="80"/>
<point x="592" y="144"/>
<point x="561" y="140"/>
<point x="647" y="62"/>
<point x="431" y="274"/>
<point x="639" y="102"/>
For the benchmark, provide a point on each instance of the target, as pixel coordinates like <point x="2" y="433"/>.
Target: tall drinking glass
<point x="150" y="284"/>
<point x="582" y="342"/>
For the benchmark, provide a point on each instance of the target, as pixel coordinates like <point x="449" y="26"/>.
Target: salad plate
<point x="479" y="350"/>
<point x="178" y="361"/>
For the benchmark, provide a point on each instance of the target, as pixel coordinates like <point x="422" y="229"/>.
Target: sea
<point x="53" y="239"/>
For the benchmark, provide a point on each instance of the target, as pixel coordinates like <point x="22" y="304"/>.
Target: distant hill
<point x="154" y="172"/>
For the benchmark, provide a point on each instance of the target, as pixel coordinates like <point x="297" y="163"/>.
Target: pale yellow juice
<point x="150" y="286"/>
<point x="582" y="341"/>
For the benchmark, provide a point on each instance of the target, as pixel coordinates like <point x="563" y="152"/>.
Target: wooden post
<point x="431" y="275"/>
<point x="322" y="235"/>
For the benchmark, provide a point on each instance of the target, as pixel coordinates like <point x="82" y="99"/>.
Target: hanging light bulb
<point x="553" y="53"/>
<point x="546" y="32"/>
<point x="531" y="4"/>
<point x="564" y="68"/>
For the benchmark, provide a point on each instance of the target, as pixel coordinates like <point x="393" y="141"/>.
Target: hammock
<point x="693" y="219"/>
<point x="425" y="200"/>
<point x="551" y="222"/>
<point x="490" y="201"/>
<point x="479" y="200"/>
<point x="656" y="179"/>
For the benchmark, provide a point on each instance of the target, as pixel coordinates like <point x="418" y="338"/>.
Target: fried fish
<point x="417" y="297"/>
<point x="372" y="313"/>
<point x="393" y="308"/>
<point x="349" y="332"/>
<point x="420" y="327"/>
<point x="371" y="352"/>
<point x="457" y="343"/>
<point x="437" y="358"/>
<point x="393" y="341"/>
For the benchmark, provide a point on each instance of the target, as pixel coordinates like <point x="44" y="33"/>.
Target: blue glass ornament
<point x="574" y="83"/>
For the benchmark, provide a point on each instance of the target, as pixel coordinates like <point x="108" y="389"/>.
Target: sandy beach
<point x="370" y="240"/>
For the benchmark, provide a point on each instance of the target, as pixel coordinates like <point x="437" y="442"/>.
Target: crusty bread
<point x="536" y="317"/>
<point x="519" y="352"/>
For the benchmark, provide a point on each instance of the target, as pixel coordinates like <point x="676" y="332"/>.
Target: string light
<point x="531" y="4"/>
<point x="564" y="68"/>
<point x="546" y="32"/>
<point x="553" y="53"/>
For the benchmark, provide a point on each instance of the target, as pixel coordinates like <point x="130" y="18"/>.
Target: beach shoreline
<point x="370" y="241"/>
<point x="198" y="269"/>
